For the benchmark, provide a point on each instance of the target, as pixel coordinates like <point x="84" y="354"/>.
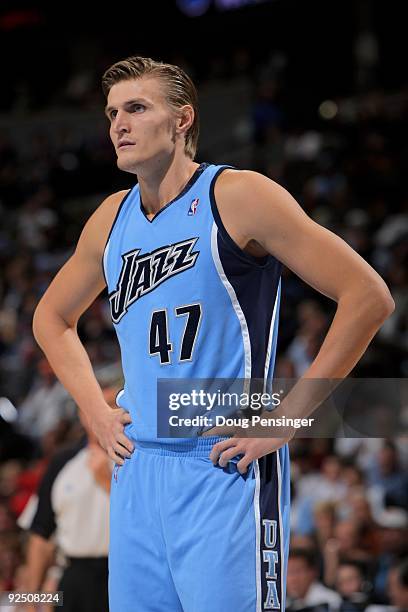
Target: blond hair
<point x="179" y="88"/>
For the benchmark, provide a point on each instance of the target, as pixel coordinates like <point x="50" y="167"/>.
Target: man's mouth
<point x="125" y="143"/>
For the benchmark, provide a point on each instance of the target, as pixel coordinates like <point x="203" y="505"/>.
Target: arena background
<point x="312" y="94"/>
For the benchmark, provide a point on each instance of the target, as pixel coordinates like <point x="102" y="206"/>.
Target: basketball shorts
<point x="188" y="536"/>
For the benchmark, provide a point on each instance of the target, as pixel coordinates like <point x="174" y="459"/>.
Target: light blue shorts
<point x="188" y="536"/>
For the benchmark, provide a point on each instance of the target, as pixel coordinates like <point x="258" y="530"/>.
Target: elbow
<point x="42" y="319"/>
<point x="373" y="304"/>
<point x="48" y="323"/>
<point x="383" y="305"/>
<point x="37" y="324"/>
<point x="378" y="299"/>
<point x="390" y="306"/>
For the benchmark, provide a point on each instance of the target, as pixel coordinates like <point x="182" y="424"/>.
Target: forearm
<point x="68" y="358"/>
<point x="40" y="555"/>
<point x="354" y="325"/>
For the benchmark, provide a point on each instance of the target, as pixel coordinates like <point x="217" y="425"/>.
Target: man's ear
<point x="185" y="118"/>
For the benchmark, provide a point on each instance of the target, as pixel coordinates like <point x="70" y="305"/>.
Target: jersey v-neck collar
<point x="197" y="173"/>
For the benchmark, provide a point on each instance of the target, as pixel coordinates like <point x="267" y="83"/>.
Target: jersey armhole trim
<point x="249" y="259"/>
<point x="111" y="230"/>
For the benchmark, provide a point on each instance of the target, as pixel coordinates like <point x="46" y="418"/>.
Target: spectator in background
<point x="326" y="485"/>
<point x="46" y="404"/>
<point x="360" y="511"/>
<point x="397" y="589"/>
<point x="365" y="453"/>
<point x="351" y="475"/>
<point x="313" y="323"/>
<point x="393" y="544"/>
<point x="324" y="520"/>
<point x="10" y="557"/>
<point x="316" y="488"/>
<point x="304" y="591"/>
<point x="10" y="545"/>
<point x="352" y="586"/>
<point x="348" y="536"/>
<point x="305" y="542"/>
<point x="387" y="475"/>
<point x="72" y="519"/>
<point x="398" y="585"/>
<point x="345" y="545"/>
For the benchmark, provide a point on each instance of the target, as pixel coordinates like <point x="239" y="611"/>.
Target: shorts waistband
<point x="196" y="447"/>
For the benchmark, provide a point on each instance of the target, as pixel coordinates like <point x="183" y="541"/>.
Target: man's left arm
<point x="260" y="214"/>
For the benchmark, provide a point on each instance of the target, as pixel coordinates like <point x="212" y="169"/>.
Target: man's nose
<point x="121" y="124"/>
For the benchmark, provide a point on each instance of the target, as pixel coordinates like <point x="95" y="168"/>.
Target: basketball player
<point x="191" y="257"/>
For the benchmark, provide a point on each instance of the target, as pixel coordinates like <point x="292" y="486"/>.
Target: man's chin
<point x="127" y="165"/>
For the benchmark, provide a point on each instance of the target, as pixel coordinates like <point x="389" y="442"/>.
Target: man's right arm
<point x="69" y="295"/>
<point x="40" y="556"/>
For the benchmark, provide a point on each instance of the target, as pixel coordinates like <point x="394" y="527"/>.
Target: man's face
<point x="346" y="535"/>
<point x="397" y="592"/>
<point x="348" y="581"/>
<point x="300" y="577"/>
<point x="141" y="123"/>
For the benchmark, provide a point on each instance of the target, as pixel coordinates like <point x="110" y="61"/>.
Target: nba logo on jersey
<point x="193" y="206"/>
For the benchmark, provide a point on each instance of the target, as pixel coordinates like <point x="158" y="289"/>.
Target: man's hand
<point x="250" y="448"/>
<point x="108" y="426"/>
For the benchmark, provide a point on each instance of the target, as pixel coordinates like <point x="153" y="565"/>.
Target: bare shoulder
<point x="247" y="194"/>
<point x="96" y="230"/>
<point x="237" y="179"/>
<point x="257" y="211"/>
<point x="248" y="201"/>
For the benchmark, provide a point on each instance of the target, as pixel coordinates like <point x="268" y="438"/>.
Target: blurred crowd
<point x="346" y="166"/>
<point x="349" y="523"/>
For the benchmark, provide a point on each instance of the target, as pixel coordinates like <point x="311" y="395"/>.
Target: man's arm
<point x="71" y="292"/>
<point x="262" y="217"/>
<point x="40" y="556"/>
<point x="258" y="212"/>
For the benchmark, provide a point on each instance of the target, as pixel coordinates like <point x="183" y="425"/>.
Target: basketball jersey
<point x="185" y="300"/>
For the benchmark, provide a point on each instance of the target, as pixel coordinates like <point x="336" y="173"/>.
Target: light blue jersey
<point x="187" y="302"/>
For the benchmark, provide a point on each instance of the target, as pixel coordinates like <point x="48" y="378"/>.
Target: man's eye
<point x="112" y="114"/>
<point x="138" y="108"/>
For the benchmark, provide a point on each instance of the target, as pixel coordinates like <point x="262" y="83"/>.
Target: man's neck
<point x="163" y="183"/>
